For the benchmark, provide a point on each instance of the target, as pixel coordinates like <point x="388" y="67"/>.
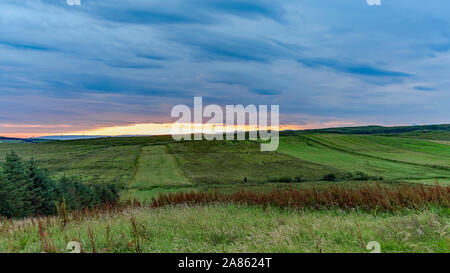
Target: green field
<point x="148" y="165"/>
<point x="110" y="160"/>
<point x="145" y="167"/>
<point x="156" y="167"/>
<point x="390" y="148"/>
<point x="442" y="181"/>
<point x="371" y="154"/>
<point x="85" y="161"/>
<point x="231" y="162"/>
<point x="439" y="136"/>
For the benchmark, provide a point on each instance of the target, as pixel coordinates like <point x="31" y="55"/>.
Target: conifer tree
<point x="27" y="189"/>
<point x="21" y="192"/>
<point x="6" y="199"/>
<point x="45" y="193"/>
<point x="76" y="194"/>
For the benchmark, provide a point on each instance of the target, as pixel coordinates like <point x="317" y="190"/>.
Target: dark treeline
<point x="382" y="130"/>
<point x="27" y="189"/>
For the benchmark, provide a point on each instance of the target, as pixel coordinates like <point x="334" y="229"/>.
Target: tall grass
<point x="229" y="228"/>
<point x="131" y="227"/>
<point x="369" y="198"/>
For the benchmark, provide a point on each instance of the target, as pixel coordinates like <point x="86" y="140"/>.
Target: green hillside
<point x="373" y="155"/>
<point x="148" y="165"/>
<point x="157" y="167"/>
<point x="221" y="162"/>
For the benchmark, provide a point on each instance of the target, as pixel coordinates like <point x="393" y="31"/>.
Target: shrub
<point x="272" y="179"/>
<point x="330" y="177"/>
<point x="283" y="179"/>
<point x="361" y="176"/>
<point x="298" y="178"/>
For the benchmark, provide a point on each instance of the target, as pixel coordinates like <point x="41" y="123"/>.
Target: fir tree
<point x="45" y="193"/>
<point x="27" y="189"/>
<point x="21" y="194"/>
<point x="6" y="198"/>
<point x="76" y="194"/>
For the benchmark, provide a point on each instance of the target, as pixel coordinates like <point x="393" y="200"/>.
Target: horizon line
<point x="159" y="132"/>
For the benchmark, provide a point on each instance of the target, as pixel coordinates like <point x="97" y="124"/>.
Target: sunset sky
<point x="118" y="67"/>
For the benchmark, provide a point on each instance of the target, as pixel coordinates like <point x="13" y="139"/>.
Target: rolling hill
<point x="147" y="165"/>
<point x="374" y="129"/>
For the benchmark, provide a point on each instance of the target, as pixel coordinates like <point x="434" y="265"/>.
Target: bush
<point x="283" y="179"/>
<point x="298" y="178"/>
<point x="361" y="176"/>
<point x="330" y="177"/>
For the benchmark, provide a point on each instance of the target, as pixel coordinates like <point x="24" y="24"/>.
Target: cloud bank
<point x="116" y="63"/>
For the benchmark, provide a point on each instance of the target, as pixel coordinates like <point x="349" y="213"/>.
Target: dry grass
<point x="368" y="198"/>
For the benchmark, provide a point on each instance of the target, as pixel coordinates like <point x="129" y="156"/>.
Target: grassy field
<point x="146" y="167"/>
<point x="85" y="161"/>
<point x="308" y="148"/>
<point x="233" y="228"/>
<point x="156" y="167"/>
<point x="232" y="162"/>
<point x="431" y="181"/>
<point x="433" y="135"/>
<point x="395" y="149"/>
<point x="115" y="157"/>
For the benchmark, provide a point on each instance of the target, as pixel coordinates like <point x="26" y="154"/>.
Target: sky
<point x="119" y="66"/>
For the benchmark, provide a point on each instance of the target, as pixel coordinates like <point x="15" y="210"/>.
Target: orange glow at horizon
<point x="152" y="129"/>
<point x="166" y="129"/>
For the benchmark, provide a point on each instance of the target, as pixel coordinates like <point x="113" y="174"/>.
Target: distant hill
<point x="21" y="140"/>
<point x="11" y="140"/>
<point x="74" y="137"/>
<point x="8" y="138"/>
<point x="69" y="137"/>
<point x="374" y="129"/>
<point x="370" y="129"/>
<point x="56" y="138"/>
